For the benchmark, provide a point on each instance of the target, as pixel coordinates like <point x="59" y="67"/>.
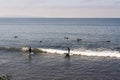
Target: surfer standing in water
<point x="30" y="50"/>
<point x="68" y="50"/>
<point x="68" y="54"/>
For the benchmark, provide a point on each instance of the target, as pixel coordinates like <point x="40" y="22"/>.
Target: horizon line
<point x="63" y="17"/>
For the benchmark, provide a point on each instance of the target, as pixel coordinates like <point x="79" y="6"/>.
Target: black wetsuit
<point x="30" y="50"/>
<point x="68" y="50"/>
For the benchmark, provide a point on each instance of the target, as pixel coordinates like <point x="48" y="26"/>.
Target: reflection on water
<point x="67" y="56"/>
<point x="56" y="67"/>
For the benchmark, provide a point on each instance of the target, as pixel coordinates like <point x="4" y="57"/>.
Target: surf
<point x="105" y="53"/>
<point x="79" y="52"/>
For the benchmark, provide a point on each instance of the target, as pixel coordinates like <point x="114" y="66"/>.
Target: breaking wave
<point x="106" y="53"/>
<point x="101" y="53"/>
<point x="25" y="49"/>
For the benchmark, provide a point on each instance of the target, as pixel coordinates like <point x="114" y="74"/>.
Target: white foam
<point x="106" y="53"/>
<point x="25" y="48"/>
<point x="52" y="51"/>
<point x="97" y="53"/>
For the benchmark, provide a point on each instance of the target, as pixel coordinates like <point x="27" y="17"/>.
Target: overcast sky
<point x="60" y="8"/>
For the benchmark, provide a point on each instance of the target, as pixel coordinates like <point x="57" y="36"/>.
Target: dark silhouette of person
<point x="108" y="41"/>
<point x="68" y="54"/>
<point x="40" y="41"/>
<point x="30" y="50"/>
<point x="66" y="37"/>
<point x="68" y="50"/>
<point x="78" y="40"/>
<point x="15" y="37"/>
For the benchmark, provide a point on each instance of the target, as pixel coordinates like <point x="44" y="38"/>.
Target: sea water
<point x="95" y="35"/>
<point x="94" y="57"/>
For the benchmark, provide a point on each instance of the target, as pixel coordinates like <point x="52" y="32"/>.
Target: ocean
<point x="94" y="48"/>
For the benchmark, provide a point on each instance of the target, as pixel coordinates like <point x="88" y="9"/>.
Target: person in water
<point x="68" y="50"/>
<point x="78" y="40"/>
<point x="66" y="37"/>
<point x="40" y="41"/>
<point x="68" y="54"/>
<point x="15" y="37"/>
<point x="30" y="50"/>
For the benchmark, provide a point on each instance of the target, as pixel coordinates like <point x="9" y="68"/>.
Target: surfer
<point x="15" y="36"/>
<point x="66" y="37"/>
<point x="40" y="41"/>
<point x="30" y="50"/>
<point x="78" y="40"/>
<point x="68" y="50"/>
<point x="68" y="54"/>
<point x="108" y="41"/>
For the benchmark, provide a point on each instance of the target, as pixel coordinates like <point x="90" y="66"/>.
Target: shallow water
<point x="45" y="66"/>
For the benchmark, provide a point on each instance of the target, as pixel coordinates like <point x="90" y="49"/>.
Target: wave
<point x="10" y="48"/>
<point x="101" y="53"/>
<point x="106" y="53"/>
<point x="24" y="49"/>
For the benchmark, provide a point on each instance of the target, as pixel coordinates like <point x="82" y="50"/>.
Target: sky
<point x="60" y="8"/>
